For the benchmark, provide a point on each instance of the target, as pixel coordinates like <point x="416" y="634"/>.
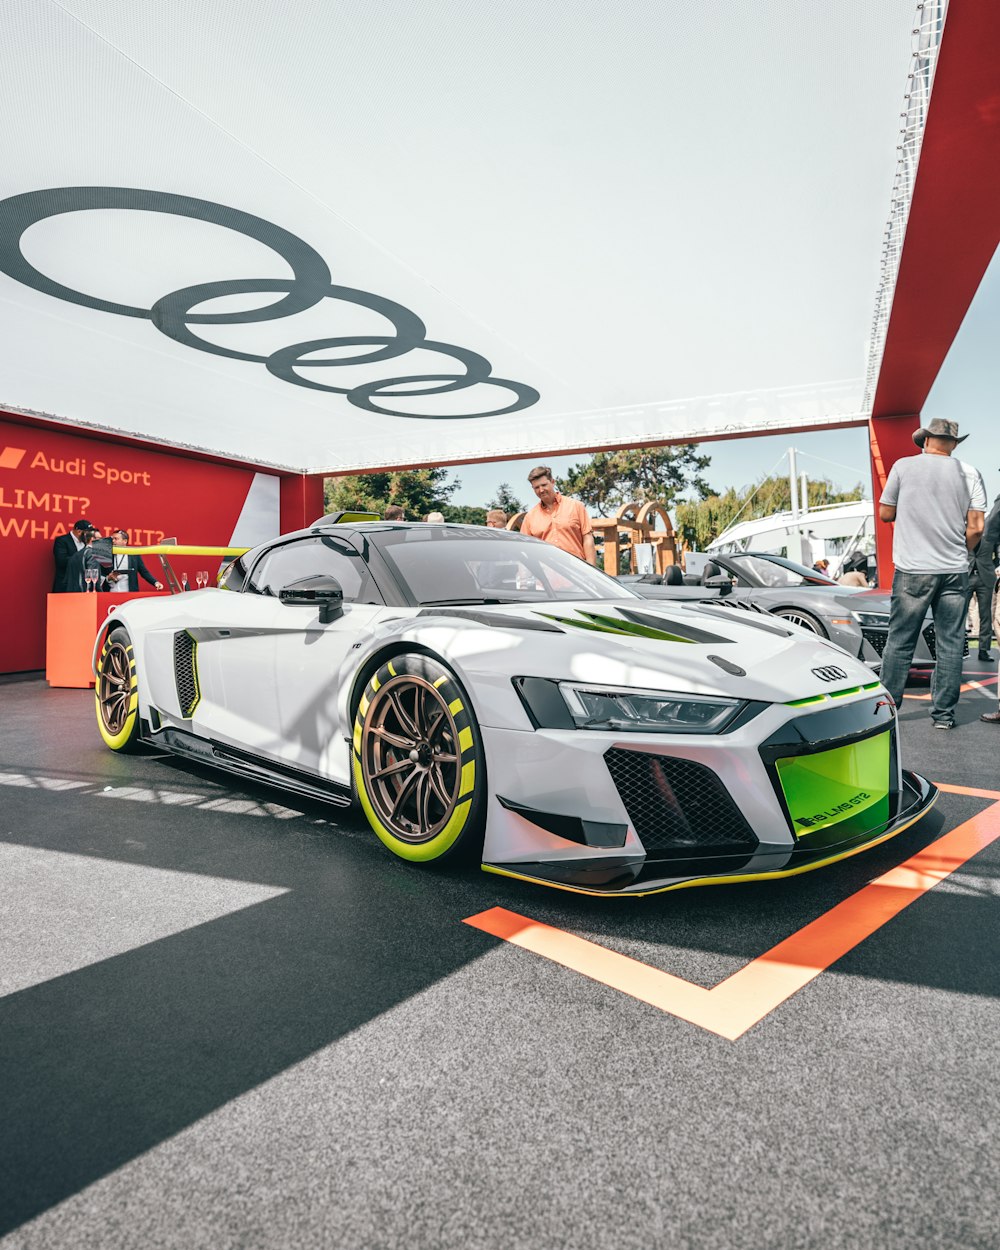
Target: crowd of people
<point x="944" y="548"/>
<point x="86" y="560"/>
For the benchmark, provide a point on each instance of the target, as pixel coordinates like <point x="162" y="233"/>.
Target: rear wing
<point x="169" y="548"/>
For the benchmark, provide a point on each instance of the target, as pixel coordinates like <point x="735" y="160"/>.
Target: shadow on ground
<point x="114" y="1058"/>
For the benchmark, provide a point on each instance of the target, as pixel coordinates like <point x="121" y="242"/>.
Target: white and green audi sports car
<point x="481" y="692"/>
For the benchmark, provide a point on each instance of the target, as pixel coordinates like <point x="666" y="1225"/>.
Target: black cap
<point x="82" y="525"/>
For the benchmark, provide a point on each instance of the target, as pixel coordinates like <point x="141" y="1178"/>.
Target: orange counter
<point x="71" y="626"/>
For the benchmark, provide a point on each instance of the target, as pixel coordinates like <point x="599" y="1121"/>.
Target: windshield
<point x="439" y="565"/>
<point x="777" y="571"/>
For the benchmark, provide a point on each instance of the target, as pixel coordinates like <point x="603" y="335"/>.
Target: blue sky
<point x="967" y="390"/>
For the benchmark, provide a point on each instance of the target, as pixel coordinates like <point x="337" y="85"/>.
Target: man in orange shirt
<point x="557" y="520"/>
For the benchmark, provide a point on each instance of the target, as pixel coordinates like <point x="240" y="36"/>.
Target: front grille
<point x="185" y="673"/>
<point x="931" y="639"/>
<point x="876" y="638"/>
<point x="679" y="808"/>
<point x="879" y="637"/>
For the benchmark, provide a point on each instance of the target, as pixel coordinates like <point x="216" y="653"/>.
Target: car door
<point x="306" y="654"/>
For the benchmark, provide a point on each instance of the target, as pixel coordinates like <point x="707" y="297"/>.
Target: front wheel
<point x="804" y="620"/>
<point x="116" y="693"/>
<point x="418" y="760"/>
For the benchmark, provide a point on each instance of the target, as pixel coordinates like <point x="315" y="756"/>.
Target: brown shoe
<point x="991" y="718"/>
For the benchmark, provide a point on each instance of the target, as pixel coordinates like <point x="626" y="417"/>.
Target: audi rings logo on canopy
<point x="173" y="316"/>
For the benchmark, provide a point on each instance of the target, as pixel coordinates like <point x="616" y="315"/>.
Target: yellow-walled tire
<point x="418" y="761"/>
<point x="116" y="693"/>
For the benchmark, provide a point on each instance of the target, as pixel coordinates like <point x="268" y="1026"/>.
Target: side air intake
<point x="186" y="673"/>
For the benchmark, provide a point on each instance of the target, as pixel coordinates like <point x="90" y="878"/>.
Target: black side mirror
<point x="322" y="590"/>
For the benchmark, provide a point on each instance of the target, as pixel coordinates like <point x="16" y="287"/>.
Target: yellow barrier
<point x="169" y="549"/>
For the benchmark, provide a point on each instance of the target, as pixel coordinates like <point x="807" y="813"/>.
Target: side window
<point x="310" y="557"/>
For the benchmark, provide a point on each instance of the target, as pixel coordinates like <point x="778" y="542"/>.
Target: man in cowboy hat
<point x="937" y="504"/>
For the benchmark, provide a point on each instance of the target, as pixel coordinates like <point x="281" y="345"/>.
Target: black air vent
<point x="185" y="673"/>
<point x="679" y="808"/>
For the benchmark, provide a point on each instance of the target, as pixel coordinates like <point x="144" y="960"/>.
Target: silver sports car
<point x="482" y="692"/>
<point x="855" y="619"/>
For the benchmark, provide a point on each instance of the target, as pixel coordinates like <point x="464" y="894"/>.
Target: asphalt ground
<point x="231" y="1019"/>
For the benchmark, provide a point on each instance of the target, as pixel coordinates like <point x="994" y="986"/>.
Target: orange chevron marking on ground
<point x="972" y="791"/>
<point x="965" y="687"/>
<point x="733" y="1006"/>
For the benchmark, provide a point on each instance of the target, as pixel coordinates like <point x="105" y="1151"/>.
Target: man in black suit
<point x="982" y="578"/>
<point x="64" y="548"/>
<point x="128" y="569"/>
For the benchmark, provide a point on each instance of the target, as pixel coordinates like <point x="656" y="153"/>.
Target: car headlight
<point x="581" y="705"/>
<point x="876" y="619"/>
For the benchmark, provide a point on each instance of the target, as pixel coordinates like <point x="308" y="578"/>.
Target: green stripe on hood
<point x="616" y="625"/>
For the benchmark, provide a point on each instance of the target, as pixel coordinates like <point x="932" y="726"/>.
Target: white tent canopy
<point x="605" y="224"/>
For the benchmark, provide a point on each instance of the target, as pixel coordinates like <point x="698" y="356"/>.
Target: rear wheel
<point x="116" y="693"/>
<point x="805" y="620"/>
<point x="418" y="760"/>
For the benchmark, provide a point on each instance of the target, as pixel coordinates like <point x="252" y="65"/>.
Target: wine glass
<point x="90" y="577"/>
<point x="204" y="577"/>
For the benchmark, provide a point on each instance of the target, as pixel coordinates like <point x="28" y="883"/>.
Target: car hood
<point x="865" y="600"/>
<point x="697" y="648"/>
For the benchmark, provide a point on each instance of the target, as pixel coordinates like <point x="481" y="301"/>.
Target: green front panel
<point x="836" y="795"/>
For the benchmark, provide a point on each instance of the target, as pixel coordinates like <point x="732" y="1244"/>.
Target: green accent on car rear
<point x="844" y="791"/>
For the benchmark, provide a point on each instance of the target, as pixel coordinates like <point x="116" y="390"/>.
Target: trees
<point x="700" y="522"/>
<point x="611" y="478"/>
<point x="506" y="500"/>
<point x="417" y="491"/>
<point x="463" y="514"/>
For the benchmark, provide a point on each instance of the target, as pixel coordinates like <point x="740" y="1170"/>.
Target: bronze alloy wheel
<point x="410" y="759"/>
<point x="114" y="691"/>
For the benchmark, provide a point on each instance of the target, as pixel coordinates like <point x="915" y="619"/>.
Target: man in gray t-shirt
<point x="937" y="504"/>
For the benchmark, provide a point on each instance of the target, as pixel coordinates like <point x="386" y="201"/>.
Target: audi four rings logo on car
<point x="830" y="673"/>
<point x="312" y="282"/>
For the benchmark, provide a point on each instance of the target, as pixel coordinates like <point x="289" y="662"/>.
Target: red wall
<point x="50" y="477"/>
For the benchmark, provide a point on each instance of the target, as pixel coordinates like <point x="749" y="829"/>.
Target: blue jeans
<point x="913" y="594"/>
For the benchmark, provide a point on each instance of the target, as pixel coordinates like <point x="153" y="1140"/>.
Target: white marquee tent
<point x="337" y="235"/>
